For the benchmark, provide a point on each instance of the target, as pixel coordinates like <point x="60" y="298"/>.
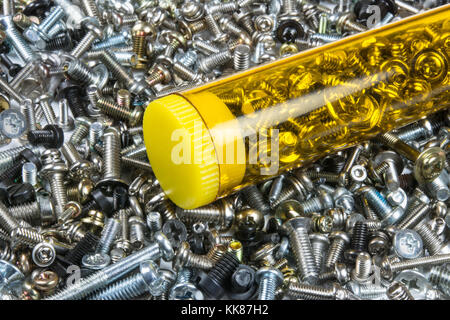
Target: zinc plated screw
<point x="316" y="204"/>
<point x="384" y="210"/>
<point x="147" y="280"/>
<point x="301" y="246"/>
<point x="36" y="33"/>
<point x="269" y="279"/>
<point x="339" y="241"/>
<point x="111" y="108"/>
<point x="428" y="164"/>
<point x="80" y="72"/>
<point x="186" y="258"/>
<point x="313" y="292"/>
<point x="54" y="170"/>
<point x="431" y="240"/>
<point x="414" y="216"/>
<point x="339" y="273"/>
<point x="320" y="244"/>
<point x="255" y="199"/>
<point x="346" y="21"/>
<point x="388" y="267"/>
<point x="207" y="64"/>
<point x="86" y="42"/>
<point x="109" y="274"/>
<point x="15" y="38"/>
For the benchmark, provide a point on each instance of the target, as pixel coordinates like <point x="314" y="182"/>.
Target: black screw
<point x="120" y="197"/>
<point x="72" y="93"/>
<point x="243" y="285"/>
<point x="100" y="201"/>
<point x="38" y="8"/>
<point x="213" y="284"/>
<point x="51" y="136"/>
<point x="289" y="30"/>
<point x="13" y="68"/>
<point x="86" y="245"/>
<point x="7" y="176"/>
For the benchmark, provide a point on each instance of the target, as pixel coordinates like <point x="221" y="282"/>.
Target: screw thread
<point x="214" y="60"/>
<point x="430" y="239"/>
<point x="75" y="102"/>
<point x="335" y="253"/>
<point x="184" y="72"/>
<point x="83" y="247"/>
<point x="419" y="262"/>
<point x="109" y="233"/>
<point x="209" y="213"/>
<point x="26" y="236"/>
<point x="40" y="137"/>
<point x="309" y="292"/>
<point x="255" y="199"/>
<point x="107" y="275"/>
<point x="241" y="59"/>
<point x="398" y="291"/>
<point x="7" y="221"/>
<point x="360" y="237"/>
<point x="116" y="69"/>
<point x="416" y="214"/>
<point x="110" y="42"/>
<point x="363" y="266"/>
<point x="29" y="212"/>
<point x="19" y="43"/>
<point x="319" y="248"/>
<point x="59" y="192"/>
<point x="303" y="253"/>
<point x="144" y="165"/>
<point x="91" y="10"/>
<point x="205" y="47"/>
<point x="379" y="203"/>
<point x="440" y="276"/>
<point x="10" y="173"/>
<point x="113" y="109"/>
<point x="267" y="288"/>
<point x="79" y="72"/>
<point x="84" y="45"/>
<point x="124" y="289"/>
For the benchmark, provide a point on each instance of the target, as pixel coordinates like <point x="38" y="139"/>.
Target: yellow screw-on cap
<point x="183" y="150"/>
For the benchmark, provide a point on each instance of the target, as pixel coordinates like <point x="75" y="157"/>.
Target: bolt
<point x="50" y="136"/>
<point x="86" y="42"/>
<point x="301" y="246"/>
<point x="16" y="40"/>
<point x="54" y="170"/>
<point x="431" y="240"/>
<point x="147" y="280"/>
<point x="383" y="209"/>
<point x="109" y="274"/>
<point x="314" y="292"/>
<point x="269" y="279"/>
<point x="26" y="155"/>
<point x="398" y="291"/>
<point x="186" y="258"/>
<point x="320" y="244"/>
<point x="340" y="273"/>
<point x="388" y="268"/>
<point x="339" y="241"/>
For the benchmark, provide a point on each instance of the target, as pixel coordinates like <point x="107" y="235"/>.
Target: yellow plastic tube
<point x="207" y="142"/>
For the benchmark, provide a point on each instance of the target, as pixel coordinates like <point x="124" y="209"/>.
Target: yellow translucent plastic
<point x="293" y="111"/>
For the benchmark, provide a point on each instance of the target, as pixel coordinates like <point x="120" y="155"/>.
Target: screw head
<point x="185" y="291"/>
<point x="43" y="254"/>
<point x="165" y="246"/>
<point x="13" y="123"/>
<point x="96" y="261"/>
<point x="429" y="165"/>
<point x="266" y="272"/>
<point x="150" y="273"/>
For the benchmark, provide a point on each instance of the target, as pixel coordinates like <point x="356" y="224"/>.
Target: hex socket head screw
<point x="269" y="280"/>
<point x="160" y="249"/>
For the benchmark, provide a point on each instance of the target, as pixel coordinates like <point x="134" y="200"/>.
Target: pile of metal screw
<point x="83" y="217"/>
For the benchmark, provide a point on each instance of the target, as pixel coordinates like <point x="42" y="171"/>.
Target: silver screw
<point x="109" y="274"/>
<point x="269" y="280"/>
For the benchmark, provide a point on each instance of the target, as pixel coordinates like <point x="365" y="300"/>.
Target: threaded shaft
<point x="109" y="233"/>
<point x="398" y="291"/>
<point x="27" y="236"/>
<point x="124" y="289"/>
<point x="335" y="253"/>
<point x="76" y="105"/>
<point x="84" y="44"/>
<point x="430" y="239"/>
<point x="414" y="217"/>
<point x="419" y="262"/>
<point x="267" y="288"/>
<point x="360" y="237"/>
<point x="112" y="109"/>
<point x="378" y="202"/>
<point x="29" y="212"/>
<point x="440" y="276"/>
<point x="7" y="221"/>
<point x="241" y="57"/>
<point x="309" y="292"/>
<point x="301" y="247"/>
<point x="255" y="199"/>
<point x="79" y="72"/>
<point x="107" y="275"/>
<point x="59" y="192"/>
<point x="214" y="60"/>
<point x="83" y="247"/>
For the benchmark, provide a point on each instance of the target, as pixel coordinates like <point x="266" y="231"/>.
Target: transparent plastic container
<point x="207" y="142"/>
